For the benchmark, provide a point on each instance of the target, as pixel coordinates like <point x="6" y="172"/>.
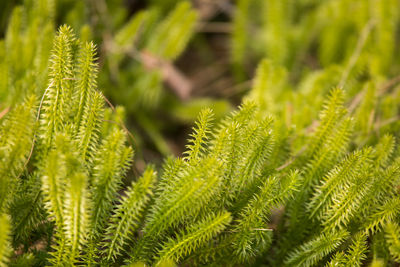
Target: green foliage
<point x="316" y="249"/>
<point x="80" y="165"/>
<point x="125" y="220"/>
<point x="150" y="50"/>
<point x="392" y="231"/>
<point x="4" y="239"/>
<point x="304" y="173"/>
<point x="197" y="235"/>
<point x="16" y="141"/>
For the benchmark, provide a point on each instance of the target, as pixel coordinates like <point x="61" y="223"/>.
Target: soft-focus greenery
<point x="304" y="172"/>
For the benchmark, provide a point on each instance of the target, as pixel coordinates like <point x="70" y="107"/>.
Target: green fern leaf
<point x="195" y="236"/>
<point x="126" y="217"/>
<point x="392" y="235"/>
<point x="5" y="231"/>
<point x="313" y="251"/>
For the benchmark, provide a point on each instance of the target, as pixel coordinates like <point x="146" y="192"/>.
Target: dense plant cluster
<point x="305" y="172"/>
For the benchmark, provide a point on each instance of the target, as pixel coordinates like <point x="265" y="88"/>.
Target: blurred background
<point x="162" y="61"/>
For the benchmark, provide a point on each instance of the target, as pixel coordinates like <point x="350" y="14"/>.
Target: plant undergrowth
<point x="305" y="172"/>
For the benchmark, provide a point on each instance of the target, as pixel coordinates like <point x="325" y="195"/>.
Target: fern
<point x="193" y="192"/>
<point x="4" y="239"/>
<point x="392" y="232"/>
<point x="298" y="175"/>
<point x="126" y="217"/>
<point x="16" y="133"/>
<point x="86" y="82"/>
<point x="53" y="187"/>
<point x="201" y="132"/>
<point x="89" y="130"/>
<point x="316" y="249"/>
<point x="196" y="236"/>
<point x="357" y="251"/>
<point x="251" y="231"/>
<point x="170" y="38"/>
<point x="61" y="79"/>
<point x="114" y="158"/>
<point x="336" y="179"/>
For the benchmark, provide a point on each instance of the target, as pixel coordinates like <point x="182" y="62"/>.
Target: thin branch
<point x="34" y="135"/>
<point x="386" y="122"/>
<point x="389" y="84"/>
<point x="176" y="80"/>
<point x="4" y="112"/>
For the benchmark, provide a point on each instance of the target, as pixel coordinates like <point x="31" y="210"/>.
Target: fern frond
<point x="384" y="214"/>
<point x="384" y="150"/>
<point x="257" y="146"/>
<point x="26" y="209"/>
<point x="172" y="35"/>
<point x="53" y="177"/>
<point x="313" y="251"/>
<point x="347" y="201"/>
<point x="226" y="142"/>
<point x="214" y="252"/>
<point x="89" y="128"/>
<point x="245" y="113"/>
<point x="110" y="164"/>
<point x="330" y="152"/>
<point x="127" y="35"/>
<point x="76" y="208"/>
<point x="59" y="92"/>
<point x="332" y="111"/>
<point x="334" y="181"/>
<point x="195" y="236"/>
<point x="86" y="81"/>
<point x="5" y="246"/>
<point x="269" y="80"/>
<point x="197" y="148"/>
<point x="392" y="236"/>
<point x="357" y="251"/>
<point x="16" y="137"/>
<point x="196" y="187"/>
<point x="251" y="229"/>
<point x="228" y="145"/>
<point x="327" y="145"/>
<point x="384" y="183"/>
<point x="337" y="260"/>
<point x="169" y="177"/>
<point x="262" y="145"/>
<point x="128" y="212"/>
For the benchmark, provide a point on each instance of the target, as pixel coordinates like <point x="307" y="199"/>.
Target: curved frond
<point x="195" y="236"/>
<point x="392" y="235"/>
<point x="56" y="100"/>
<point x="197" y="146"/>
<point x="5" y="246"/>
<point x="313" y="251"/>
<point x="126" y="217"/>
